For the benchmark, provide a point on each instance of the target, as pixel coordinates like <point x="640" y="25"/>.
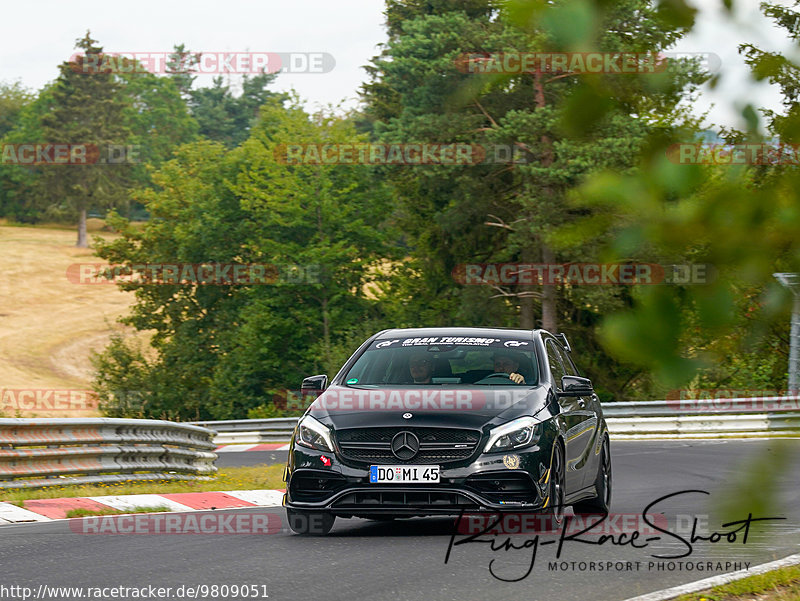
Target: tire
<point x="601" y="503"/>
<point x="310" y="522"/>
<point x="556" y="489"/>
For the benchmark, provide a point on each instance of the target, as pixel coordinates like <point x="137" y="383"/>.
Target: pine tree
<point x="561" y="126"/>
<point x="87" y="109"/>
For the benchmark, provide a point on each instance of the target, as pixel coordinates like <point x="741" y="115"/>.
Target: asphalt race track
<point x="405" y="559"/>
<point x="251" y="458"/>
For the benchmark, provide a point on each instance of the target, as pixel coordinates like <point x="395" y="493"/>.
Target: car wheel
<point x="310" y="522"/>
<point x="602" y="502"/>
<point x="555" y="502"/>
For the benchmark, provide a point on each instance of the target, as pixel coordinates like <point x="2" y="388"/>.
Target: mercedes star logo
<point x="405" y="445"/>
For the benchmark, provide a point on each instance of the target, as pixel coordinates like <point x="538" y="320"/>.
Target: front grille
<point x="405" y="499"/>
<point x="381" y="457"/>
<point x="437" y="445"/>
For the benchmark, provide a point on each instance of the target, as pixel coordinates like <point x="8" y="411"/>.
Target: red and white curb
<point x="706" y="583"/>
<point x="45" y="510"/>
<point x="238" y="448"/>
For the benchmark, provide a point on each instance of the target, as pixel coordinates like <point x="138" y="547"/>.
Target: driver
<point x="508" y="362"/>
<point x="421" y="367"/>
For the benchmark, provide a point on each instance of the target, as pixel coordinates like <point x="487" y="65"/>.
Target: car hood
<point x="474" y="408"/>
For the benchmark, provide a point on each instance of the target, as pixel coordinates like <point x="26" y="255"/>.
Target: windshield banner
<point x="446" y="341"/>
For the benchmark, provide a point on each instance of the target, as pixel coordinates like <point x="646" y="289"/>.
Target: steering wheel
<point x="497" y="374"/>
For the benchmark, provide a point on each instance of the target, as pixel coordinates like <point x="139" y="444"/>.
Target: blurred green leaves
<point x="677" y="13"/>
<point x="571" y="25"/>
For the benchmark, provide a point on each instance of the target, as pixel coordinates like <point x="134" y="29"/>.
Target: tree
<point x="779" y="70"/>
<point x="561" y="126"/>
<point x="226" y="118"/>
<point x="19" y="124"/>
<point x="87" y="109"/>
<point x="154" y="113"/>
<point x="223" y="349"/>
<point x="13" y="99"/>
<point x="740" y="218"/>
<point x="193" y="219"/>
<point x="180" y="67"/>
<point x="158" y="120"/>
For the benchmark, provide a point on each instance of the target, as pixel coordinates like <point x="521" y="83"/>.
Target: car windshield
<point x="473" y="361"/>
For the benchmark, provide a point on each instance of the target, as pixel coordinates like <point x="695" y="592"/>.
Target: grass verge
<point x="230" y="478"/>
<point x="82" y="512"/>
<point x="778" y="585"/>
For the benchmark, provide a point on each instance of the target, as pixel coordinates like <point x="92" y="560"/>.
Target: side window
<point x="569" y="366"/>
<point x="554" y="359"/>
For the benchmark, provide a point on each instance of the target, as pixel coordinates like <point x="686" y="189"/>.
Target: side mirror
<point x="314" y="384"/>
<point x="575" y="386"/>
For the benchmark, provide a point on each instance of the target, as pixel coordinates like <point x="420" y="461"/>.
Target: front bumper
<point x="485" y="484"/>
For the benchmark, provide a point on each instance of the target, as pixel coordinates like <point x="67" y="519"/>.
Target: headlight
<point x="513" y="435"/>
<point x="313" y="434"/>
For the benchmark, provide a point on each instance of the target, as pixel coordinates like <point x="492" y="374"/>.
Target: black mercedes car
<point x="434" y="421"/>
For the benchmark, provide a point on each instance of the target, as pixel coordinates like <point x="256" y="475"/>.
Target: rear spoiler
<point x="563" y="339"/>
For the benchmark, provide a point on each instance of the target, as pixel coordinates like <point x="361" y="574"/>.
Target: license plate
<point x="404" y="474"/>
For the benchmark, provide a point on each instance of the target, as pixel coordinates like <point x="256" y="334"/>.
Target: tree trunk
<point x="326" y="336"/>
<point x="326" y="317"/>
<point x="549" y="315"/>
<point x="526" y="321"/>
<point x="82" y="242"/>
<point x="526" y="318"/>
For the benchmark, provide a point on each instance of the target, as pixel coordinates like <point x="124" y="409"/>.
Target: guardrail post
<point x="792" y="282"/>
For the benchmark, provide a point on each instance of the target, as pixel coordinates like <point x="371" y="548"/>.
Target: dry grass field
<point x="48" y="325"/>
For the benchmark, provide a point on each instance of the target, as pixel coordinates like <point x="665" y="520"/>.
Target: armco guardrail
<point x="37" y="453"/>
<point x="249" y="431"/>
<point x="687" y="418"/>
<point x="704" y="418"/>
<point x="700" y="406"/>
